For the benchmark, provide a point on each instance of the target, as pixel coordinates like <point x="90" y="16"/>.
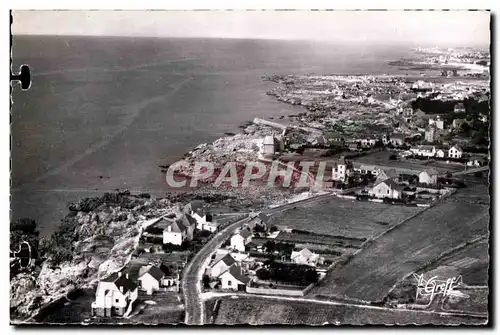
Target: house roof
<point x="177" y="226"/>
<point x="269" y="140"/>
<point x="236" y="272"/>
<point x="391" y="173"/>
<point x="155" y="272"/>
<point x="227" y="259"/>
<point x="188" y="220"/>
<point x="425" y="147"/>
<point x="391" y="183"/>
<point x="120" y="281"/>
<point x="306" y="253"/>
<point x="456" y="147"/>
<point x="430" y="171"/>
<point x="399" y="136"/>
<point x="245" y="233"/>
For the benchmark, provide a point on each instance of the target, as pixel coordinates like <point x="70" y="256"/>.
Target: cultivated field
<point x="344" y="217"/>
<point x="371" y="273"/>
<point x="259" y="311"/>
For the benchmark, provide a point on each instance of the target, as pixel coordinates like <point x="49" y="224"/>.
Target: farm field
<point x="477" y="302"/>
<point x="320" y="239"/>
<point x="262" y="311"/>
<point x="344" y="217"/>
<point x="371" y="273"/>
<point x="471" y="262"/>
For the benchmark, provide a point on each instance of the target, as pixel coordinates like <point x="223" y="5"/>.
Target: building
<point x="271" y="145"/>
<point x="205" y="222"/>
<point x="440" y="153"/>
<point x="397" y="139"/>
<point x="241" y="239"/>
<point x="259" y="220"/>
<point x="234" y="279"/>
<point x="221" y="265"/>
<point x="305" y="256"/>
<point x="387" y="189"/>
<point x="459" y="108"/>
<point x="114" y="296"/>
<point x="437" y="122"/>
<point x="455" y="152"/>
<point x="431" y="134"/>
<point x="334" y="138"/>
<point x="368" y="142"/>
<point x="428" y="176"/>
<point x="387" y="174"/>
<point x="341" y="170"/>
<point x="424" y="150"/>
<point x="150" y="278"/>
<point x="177" y="232"/>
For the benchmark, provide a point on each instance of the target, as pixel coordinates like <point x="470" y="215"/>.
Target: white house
<point x="459" y="108"/>
<point x="114" y="295"/>
<point x="150" y="278"/>
<point x="387" y="189"/>
<point x="240" y="239"/>
<point x="341" y="170"/>
<point x="234" y="279"/>
<point x="428" y="176"/>
<point x="205" y="222"/>
<point x="367" y="142"/>
<point x="437" y="122"/>
<point x="455" y="152"/>
<point x="431" y="134"/>
<point x="440" y="153"/>
<point x="271" y="145"/>
<point x="221" y="265"/>
<point x="424" y="150"/>
<point x="304" y="256"/>
<point x="176" y="233"/>
<point x="397" y="139"/>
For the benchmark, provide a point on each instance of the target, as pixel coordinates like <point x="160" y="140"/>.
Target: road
<point x="470" y="171"/>
<point x="193" y="272"/>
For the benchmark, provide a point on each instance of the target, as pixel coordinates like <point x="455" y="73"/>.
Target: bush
<point x="393" y="157"/>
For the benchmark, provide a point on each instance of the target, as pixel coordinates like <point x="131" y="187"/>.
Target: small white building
<point x="428" y="176"/>
<point x="341" y="170"/>
<point x="424" y="150"/>
<point x="387" y="189"/>
<point x="397" y="139"/>
<point x="150" y="278"/>
<point x="455" y="152"/>
<point x="431" y="134"/>
<point x="305" y="256"/>
<point x="241" y="239"/>
<point x="437" y="122"/>
<point x="440" y="153"/>
<point x="176" y="233"/>
<point x="114" y="295"/>
<point x="221" y="265"/>
<point x="271" y="145"/>
<point x="234" y="279"/>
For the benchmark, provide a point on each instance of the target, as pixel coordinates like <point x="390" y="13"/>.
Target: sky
<point x="424" y="27"/>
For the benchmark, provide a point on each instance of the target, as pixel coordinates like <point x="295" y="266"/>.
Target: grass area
<point x="320" y="239"/>
<point x="371" y="273"/>
<point x="477" y="301"/>
<point x="343" y="217"/>
<point x="260" y="311"/>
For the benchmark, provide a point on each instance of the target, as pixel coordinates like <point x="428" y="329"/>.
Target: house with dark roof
<point x="428" y="176"/>
<point x="387" y="189"/>
<point x="176" y="231"/>
<point x="221" y="265"/>
<point x="241" y="239"/>
<point x="234" y="279"/>
<point x="150" y="278"/>
<point x="387" y="174"/>
<point x="114" y="296"/>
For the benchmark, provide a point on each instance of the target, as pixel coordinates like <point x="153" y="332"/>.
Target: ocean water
<point x="102" y="113"/>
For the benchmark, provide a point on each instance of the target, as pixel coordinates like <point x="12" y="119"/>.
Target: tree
<point x="270" y="246"/>
<point x="263" y="274"/>
<point x="273" y="229"/>
<point x="393" y="157"/>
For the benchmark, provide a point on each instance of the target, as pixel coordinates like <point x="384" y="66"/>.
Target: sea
<point x="103" y="113"/>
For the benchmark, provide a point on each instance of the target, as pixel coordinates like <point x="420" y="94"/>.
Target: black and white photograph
<point x="250" y="167"/>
